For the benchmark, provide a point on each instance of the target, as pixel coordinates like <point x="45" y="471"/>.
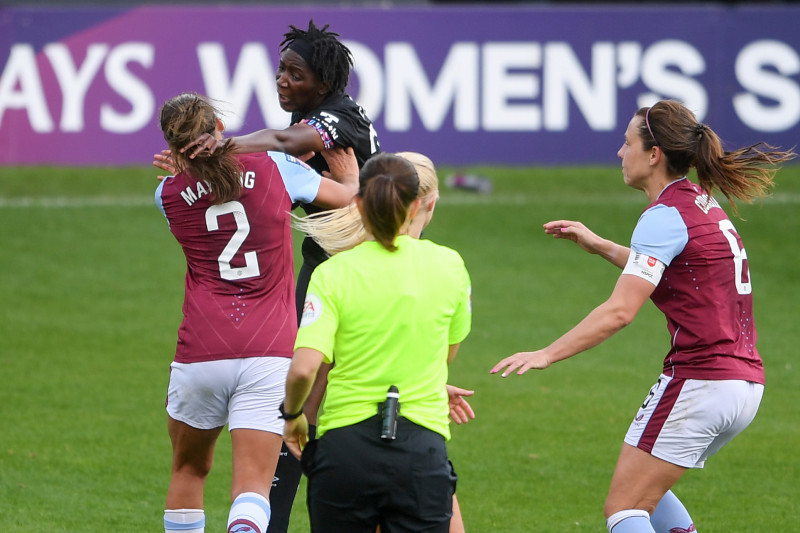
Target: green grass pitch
<point x="91" y="284"/>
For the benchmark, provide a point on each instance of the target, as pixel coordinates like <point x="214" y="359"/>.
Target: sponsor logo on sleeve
<point x="293" y="159"/>
<point x="312" y="310"/>
<point x="645" y="266"/>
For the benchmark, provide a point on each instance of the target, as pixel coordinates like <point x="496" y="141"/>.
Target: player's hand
<point x="165" y="162"/>
<point x="295" y="435"/>
<point x="522" y="362"/>
<point x="576" y="232"/>
<point x="460" y="410"/>
<point x="343" y="165"/>
<point x="308" y="155"/>
<point x="206" y="142"/>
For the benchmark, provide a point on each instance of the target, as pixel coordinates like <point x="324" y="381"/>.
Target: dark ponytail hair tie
<point x="700" y="129"/>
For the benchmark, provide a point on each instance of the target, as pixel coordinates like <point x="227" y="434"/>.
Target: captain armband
<point x="645" y="267"/>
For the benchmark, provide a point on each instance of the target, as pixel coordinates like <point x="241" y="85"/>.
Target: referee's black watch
<point x="288" y="416"/>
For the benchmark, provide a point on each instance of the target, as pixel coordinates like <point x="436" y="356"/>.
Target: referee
<point x="390" y="312"/>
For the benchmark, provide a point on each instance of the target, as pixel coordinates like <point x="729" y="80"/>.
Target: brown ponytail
<point x="388" y="186"/>
<point x="183" y="119"/>
<point x="744" y="174"/>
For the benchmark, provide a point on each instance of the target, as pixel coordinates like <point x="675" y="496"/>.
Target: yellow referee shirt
<point x="387" y="318"/>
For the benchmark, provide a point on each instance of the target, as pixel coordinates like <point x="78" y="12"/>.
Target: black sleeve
<point x="342" y="122"/>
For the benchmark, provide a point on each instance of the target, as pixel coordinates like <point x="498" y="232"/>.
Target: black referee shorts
<point x="356" y="481"/>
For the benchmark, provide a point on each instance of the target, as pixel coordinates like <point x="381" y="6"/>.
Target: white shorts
<point x="686" y="421"/>
<point x="243" y="393"/>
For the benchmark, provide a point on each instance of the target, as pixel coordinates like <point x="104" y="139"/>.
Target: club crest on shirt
<point x="312" y="310"/>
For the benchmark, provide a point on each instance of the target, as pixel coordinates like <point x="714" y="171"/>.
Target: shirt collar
<point x="670" y="184"/>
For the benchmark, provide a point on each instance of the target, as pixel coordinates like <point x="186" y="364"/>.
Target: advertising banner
<point x="465" y="85"/>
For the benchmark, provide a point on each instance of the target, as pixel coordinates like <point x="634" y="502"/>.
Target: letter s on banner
<point x="755" y="71"/>
<point x="666" y="83"/>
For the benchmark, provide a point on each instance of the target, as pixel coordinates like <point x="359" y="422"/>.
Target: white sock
<point x="184" y="521"/>
<point x="671" y="516"/>
<point x="629" y="521"/>
<point x="250" y="512"/>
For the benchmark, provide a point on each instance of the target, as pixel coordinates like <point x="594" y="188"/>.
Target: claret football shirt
<point x="705" y="290"/>
<point x="239" y="288"/>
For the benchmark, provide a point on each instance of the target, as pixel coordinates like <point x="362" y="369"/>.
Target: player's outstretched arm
<point x="521" y="362"/>
<point x="629" y="295"/>
<point x="588" y="240"/>
<point x="295" y="140"/>
<point x="300" y="140"/>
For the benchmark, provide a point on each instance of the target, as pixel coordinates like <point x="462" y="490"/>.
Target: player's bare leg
<point x="288" y="470"/>
<point x="255" y="454"/>
<point x="192" y="457"/>
<point x="639" y="481"/>
<point x="255" y="457"/>
<point x="638" y="484"/>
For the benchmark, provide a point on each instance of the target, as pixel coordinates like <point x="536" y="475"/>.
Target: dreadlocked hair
<point x="183" y="119"/>
<point x="331" y="60"/>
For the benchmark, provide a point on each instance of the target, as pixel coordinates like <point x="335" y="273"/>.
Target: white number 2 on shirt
<point x="250" y="270"/>
<point x="739" y="256"/>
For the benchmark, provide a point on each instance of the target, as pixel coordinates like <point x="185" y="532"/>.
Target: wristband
<point x="289" y="416"/>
